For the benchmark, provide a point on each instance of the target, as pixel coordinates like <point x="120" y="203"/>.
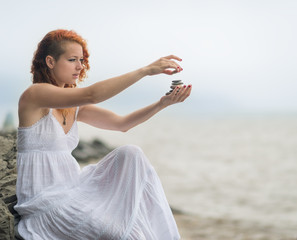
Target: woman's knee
<point x="130" y="150"/>
<point x="131" y="153"/>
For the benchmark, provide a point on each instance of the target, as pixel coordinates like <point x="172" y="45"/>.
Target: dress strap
<point x="76" y="112"/>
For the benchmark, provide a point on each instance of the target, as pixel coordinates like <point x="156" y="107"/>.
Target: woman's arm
<point x="105" y="119"/>
<point x="49" y="96"/>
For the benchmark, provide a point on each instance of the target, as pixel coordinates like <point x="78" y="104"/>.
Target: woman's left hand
<point x="179" y="94"/>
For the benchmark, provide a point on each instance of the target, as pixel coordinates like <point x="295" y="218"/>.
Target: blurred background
<point x="228" y="154"/>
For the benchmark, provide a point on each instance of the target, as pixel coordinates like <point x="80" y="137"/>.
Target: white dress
<point x="120" y="197"/>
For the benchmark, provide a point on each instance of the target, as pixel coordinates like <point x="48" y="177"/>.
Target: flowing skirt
<point x="120" y="197"/>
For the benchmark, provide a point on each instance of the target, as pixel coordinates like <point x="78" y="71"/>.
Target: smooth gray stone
<point x="176" y="84"/>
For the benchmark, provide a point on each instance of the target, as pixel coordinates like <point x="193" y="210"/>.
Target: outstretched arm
<point x="105" y="119"/>
<point x="49" y="96"/>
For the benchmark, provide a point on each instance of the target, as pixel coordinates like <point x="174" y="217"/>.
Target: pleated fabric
<point x="120" y="197"/>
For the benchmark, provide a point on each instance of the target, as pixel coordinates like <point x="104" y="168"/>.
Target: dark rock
<point x="176" y="211"/>
<point x="6" y="222"/>
<point x="7" y="185"/>
<point x="95" y="149"/>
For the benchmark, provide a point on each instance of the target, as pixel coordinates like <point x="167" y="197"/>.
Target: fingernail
<point x="184" y="86"/>
<point x="189" y="86"/>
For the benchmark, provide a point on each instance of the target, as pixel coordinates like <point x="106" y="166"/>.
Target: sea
<point x="241" y="168"/>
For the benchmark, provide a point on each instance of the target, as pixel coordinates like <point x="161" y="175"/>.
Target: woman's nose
<point x="79" y="65"/>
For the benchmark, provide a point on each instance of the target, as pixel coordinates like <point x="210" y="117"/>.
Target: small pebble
<point x="174" y="84"/>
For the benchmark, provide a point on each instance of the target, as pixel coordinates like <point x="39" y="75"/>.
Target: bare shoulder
<point x="25" y="97"/>
<point x="30" y="91"/>
<point x="28" y="112"/>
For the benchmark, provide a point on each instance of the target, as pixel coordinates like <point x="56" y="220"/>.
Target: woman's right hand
<point x="164" y="65"/>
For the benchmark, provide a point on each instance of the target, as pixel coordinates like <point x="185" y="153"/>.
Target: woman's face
<point x="67" y="68"/>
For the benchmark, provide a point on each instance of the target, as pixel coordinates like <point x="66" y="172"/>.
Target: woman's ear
<point x="50" y="61"/>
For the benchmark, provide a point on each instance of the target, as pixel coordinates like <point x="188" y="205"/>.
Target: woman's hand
<point x="179" y="94"/>
<point x="164" y="65"/>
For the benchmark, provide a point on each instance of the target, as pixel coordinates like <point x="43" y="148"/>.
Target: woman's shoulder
<point x="28" y="113"/>
<point x="29" y="92"/>
<point x="36" y="86"/>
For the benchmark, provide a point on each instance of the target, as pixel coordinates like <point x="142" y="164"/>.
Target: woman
<point x="121" y="197"/>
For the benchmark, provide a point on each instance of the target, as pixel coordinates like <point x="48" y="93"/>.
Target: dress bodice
<point x="44" y="157"/>
<point x="47" y="135"/>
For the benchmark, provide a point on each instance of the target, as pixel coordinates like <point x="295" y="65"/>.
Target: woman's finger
<point x="166" y="65"/>
<point x="170" y="72"/>
<point x="184" y="93"/>
<point x="181" y="93"/>
<point x="188" y="90"/>
<point x="173" y="57"/>
<point x="172" y="65"/>
<point x="175" y="92"/>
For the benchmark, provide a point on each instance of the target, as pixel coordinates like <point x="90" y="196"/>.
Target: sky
<point x="239" y="55"/>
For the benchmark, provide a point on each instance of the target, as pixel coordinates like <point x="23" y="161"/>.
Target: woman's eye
<point x="82" y="60"/>
<point x="71" y="60"/>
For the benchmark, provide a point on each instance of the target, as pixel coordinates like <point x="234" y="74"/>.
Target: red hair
<point x="53" y="44"/>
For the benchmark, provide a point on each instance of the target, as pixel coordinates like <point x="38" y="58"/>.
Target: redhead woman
<point x="121" y="196"/>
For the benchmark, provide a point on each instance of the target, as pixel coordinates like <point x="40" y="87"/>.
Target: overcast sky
<point x="237" y="54"/>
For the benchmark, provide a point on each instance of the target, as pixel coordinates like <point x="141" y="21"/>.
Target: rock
<point x="174" y="84"/>
<point x="176" y="81"/>
<point x="7" y="184"/>
<point x="176" y="211"/>
<point x="6" y="222"/>
<point x="95" y="149"/>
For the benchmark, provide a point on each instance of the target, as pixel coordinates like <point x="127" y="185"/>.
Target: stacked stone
<point x="174" y="84"/>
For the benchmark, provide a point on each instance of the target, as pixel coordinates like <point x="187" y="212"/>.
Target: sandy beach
<point x="232" y="178"/>
<point x="195" y="228"/>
